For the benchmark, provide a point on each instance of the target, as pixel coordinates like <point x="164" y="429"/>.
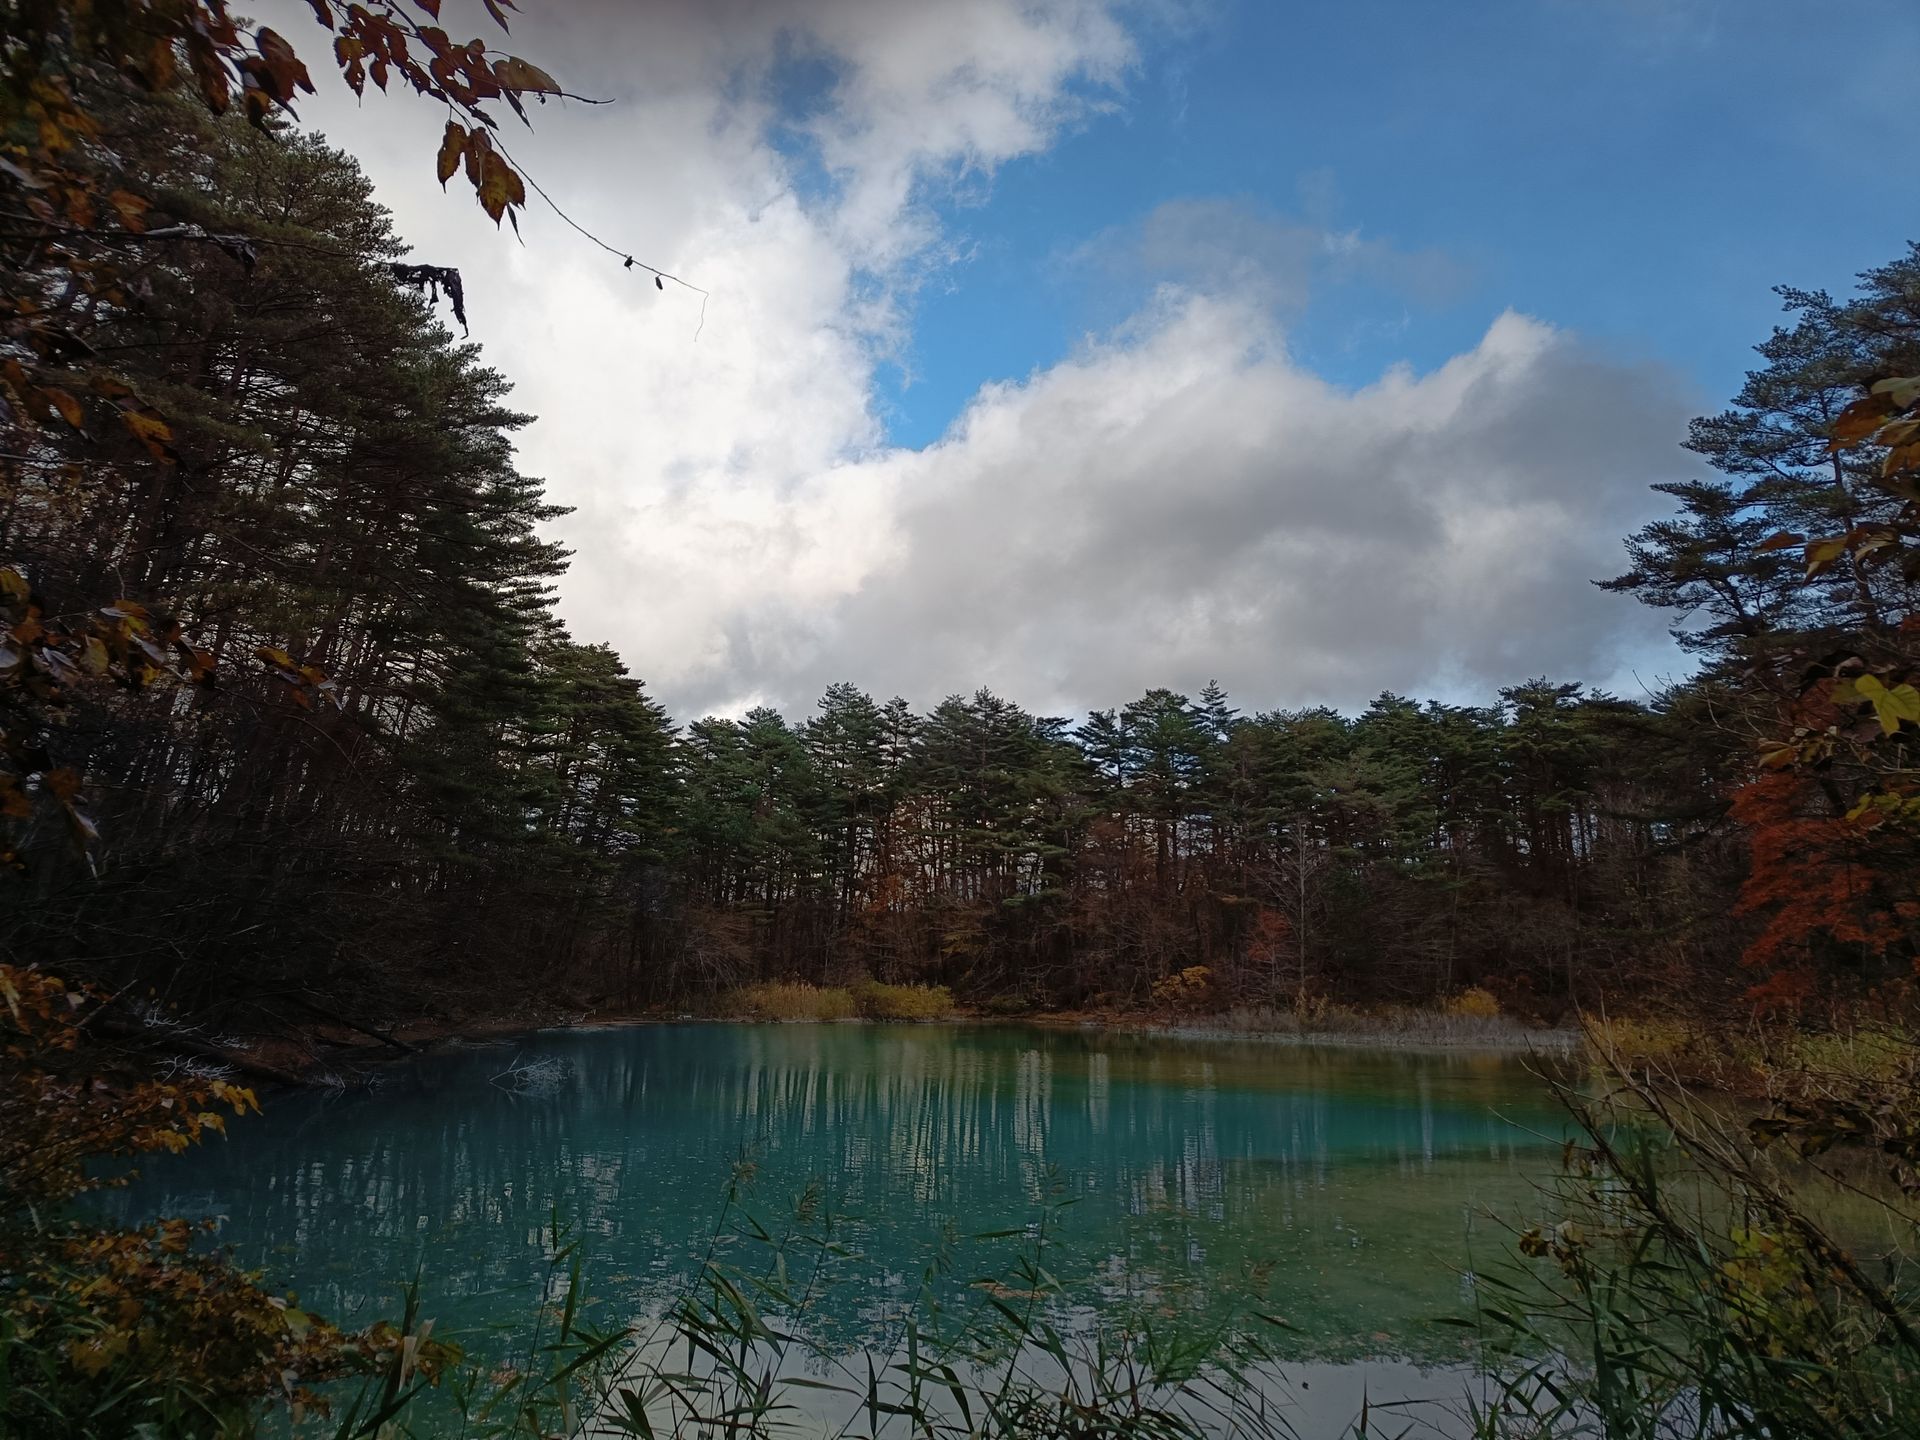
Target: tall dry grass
<point x="788" y="1000"/>
<point x="866" y="999"/>
<point x="902" y="1002"/>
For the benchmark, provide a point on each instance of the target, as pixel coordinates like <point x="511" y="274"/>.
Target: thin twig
<point x="628" y="260"/>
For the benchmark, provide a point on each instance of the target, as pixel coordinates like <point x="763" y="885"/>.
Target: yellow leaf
<point x="97" y="1352"/>
<point x="1901" y="457"/>
<point x="147" y="427"/>
<point x="479" y="145"/>
<point x="1900" y="390"/>
<point x="151" y="431"/>
<point x="451" y="149"/>
<point x="1858" y="421"/>
<point x="500" y="186"/>
<point x="68" y="407"/>
<point x="131" y="209"/>
<point x="513" y="73"/>
<point x="1822" y="553"/>
<point x="1890" y="706"/>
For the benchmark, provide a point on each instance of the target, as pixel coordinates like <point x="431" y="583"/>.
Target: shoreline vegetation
<point x="334" y="1056"/>
<point x="328" y="1055"/>
<point x="1471" y="1021"/>
<point x="1781" y="1062"/>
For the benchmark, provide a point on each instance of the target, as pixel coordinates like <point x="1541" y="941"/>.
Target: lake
<point x="1350" y="1188"/>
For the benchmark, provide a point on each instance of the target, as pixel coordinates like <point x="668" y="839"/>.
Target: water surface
<point x="1348" y="1188"/>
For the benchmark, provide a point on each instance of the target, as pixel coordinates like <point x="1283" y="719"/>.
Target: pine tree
<point x="1734" y="552"/>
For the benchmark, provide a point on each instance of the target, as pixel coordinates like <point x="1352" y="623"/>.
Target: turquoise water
<point x="1349" y="1189"/>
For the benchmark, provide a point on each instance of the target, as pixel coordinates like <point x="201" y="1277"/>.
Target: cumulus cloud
<point x="1178" y="500"/>
<point x="1181" y="501"/>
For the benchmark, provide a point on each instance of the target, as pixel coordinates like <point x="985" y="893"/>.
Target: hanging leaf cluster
<point x="1886" y="417"/>
<point x="379" y="40"/>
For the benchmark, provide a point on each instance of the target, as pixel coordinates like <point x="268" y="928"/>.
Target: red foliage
<point x="1821" y="881"/>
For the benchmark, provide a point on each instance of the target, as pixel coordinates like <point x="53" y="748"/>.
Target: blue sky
<point x="1077" y="347"/>
<point x="1642" y="173"/>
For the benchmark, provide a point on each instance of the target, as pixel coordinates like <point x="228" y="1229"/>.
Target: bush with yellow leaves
<point x="877" y="1001"/>
<point x="1189" y="989"/>
<point x="108" y="1331"/>
<point x="1474" y="1003"/>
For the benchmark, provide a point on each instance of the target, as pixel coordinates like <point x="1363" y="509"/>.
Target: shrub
<point x="902" y="1002"/>
<point x="111" y="1331"/>
<point x="1190" y="989"/>
<point x="1695" y="1286"/>
<point x="1009" y="1005"/>
<point x="1872" y="1053"/>
<point x="1473" y="1003"/>
<point x="789" y="1000"/>
<point x="1638" y="1043"/>
<point x="1324" y="1013"/>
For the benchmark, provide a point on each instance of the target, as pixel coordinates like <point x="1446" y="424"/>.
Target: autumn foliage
<point x="62" y="1108"/>
<point x="103" y="1330"/>
<point x="1832" y="895"/>
<point x="1833" y="817"/>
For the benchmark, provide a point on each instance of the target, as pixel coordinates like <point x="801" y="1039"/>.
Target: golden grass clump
<point x="1639" y="1046"/>
<point x="1190" y="989"/>
<point x="790" y="1000"/>
<point x="1473" y="1003"/>
<point x="902" y="1002"/>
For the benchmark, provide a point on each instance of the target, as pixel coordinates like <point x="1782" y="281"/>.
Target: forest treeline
<point x="312" y="732"/>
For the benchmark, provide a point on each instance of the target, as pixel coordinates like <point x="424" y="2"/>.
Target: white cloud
<point x="1177" y="501"/>
<point x="1181" y="501"/>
